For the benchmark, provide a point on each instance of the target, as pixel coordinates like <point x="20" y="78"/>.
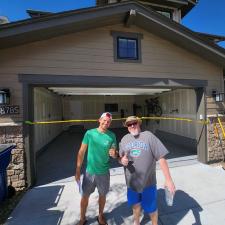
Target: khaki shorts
<point x="90" y="182"/>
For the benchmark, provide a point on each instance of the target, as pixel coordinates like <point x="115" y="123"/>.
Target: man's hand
<point x="170" y="185"/>
<point x="124" y="160"/>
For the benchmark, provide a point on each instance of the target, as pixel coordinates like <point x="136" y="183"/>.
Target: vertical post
<point x="201" y="129"/>
<point x="28" y="134"/>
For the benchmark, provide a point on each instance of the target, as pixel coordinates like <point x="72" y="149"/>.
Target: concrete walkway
<point x="199" y="200"/>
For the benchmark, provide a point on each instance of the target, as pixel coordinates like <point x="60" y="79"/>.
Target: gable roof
<point x="213" y="37"/>
<point x="129" y="13"/>
<point x="184" y="5"/>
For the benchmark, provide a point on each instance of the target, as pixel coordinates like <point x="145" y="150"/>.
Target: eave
<point x="57" y="24"/>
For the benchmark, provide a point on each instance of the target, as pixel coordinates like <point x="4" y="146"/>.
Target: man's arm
<point x="80" y="158"/>
<point x="169" y="182"/>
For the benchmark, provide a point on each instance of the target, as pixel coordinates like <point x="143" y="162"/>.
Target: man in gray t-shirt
<point x="139" y="152"/>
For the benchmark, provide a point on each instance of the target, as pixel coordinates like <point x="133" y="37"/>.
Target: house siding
<point x="90" y="53"/>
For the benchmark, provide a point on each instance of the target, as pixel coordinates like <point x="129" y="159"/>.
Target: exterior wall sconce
<point x="4" y="96"/>
<point x="219" y="97"/>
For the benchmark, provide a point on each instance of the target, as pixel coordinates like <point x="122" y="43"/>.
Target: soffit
<point x="107" y="91"/>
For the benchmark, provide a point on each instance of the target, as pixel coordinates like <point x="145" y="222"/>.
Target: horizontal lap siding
<point x="9" y="80"/>
<point x="91" y="53"/>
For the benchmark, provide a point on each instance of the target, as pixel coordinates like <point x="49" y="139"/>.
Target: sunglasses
<point x="131" y="124"/>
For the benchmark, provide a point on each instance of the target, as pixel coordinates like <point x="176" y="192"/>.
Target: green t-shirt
<point x="98" y="150"/>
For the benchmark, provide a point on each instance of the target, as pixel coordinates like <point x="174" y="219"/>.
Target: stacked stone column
<point x="16" y="169"/>
<point x="216" y="144"/>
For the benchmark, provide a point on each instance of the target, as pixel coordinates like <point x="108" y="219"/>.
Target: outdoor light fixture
<point x="4" y="96"/>
<point x="218" y="97"/>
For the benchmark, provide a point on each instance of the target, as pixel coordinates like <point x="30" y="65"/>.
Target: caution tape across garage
<point x="117" y="119"/>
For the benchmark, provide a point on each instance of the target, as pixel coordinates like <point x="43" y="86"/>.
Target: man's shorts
<point x="147" y="198"/>
<point x="90" y="182"/>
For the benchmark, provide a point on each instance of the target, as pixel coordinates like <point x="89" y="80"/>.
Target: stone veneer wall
<point x="16" y="169"/>
<point x="216" y="149"/>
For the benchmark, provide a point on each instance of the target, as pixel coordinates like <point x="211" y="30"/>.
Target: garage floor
<point x="57" y="162"/>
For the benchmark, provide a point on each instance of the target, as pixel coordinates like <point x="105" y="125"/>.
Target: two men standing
<point x="138" y="153"/>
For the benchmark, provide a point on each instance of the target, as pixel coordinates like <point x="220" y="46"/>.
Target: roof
<point x="184" y="5"/>
<point x="213" y="37"/>
<point x="129" y="13"/>
<point x="36" y="13"/>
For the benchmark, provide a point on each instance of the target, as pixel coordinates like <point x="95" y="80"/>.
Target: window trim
<point x="137" y="36"/>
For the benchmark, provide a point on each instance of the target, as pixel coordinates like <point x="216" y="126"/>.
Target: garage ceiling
<point x="106" y="91"/>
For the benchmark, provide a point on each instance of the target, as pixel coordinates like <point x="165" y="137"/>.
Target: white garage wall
<point x="184" y="100"/>
<point x="47" y="107"/>
<point x="91" y="107"/>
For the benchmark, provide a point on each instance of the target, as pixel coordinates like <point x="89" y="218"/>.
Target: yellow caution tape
<point x="221" y="127"/>
<point x="95" y="120"/>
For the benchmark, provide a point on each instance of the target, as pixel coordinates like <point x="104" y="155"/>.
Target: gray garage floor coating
<point x="199" y="200"/>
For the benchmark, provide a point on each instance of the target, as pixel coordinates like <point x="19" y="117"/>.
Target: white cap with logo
<point x="106" y="114"/>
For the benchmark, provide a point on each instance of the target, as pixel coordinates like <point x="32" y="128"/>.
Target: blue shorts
<point x="147" y="198"/>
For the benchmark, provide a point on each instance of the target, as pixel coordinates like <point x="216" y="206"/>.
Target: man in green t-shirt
<point x="100" y="143"/>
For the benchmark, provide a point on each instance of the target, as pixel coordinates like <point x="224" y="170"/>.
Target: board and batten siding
<point x="91" y="107"/>
<point x="90" y="53"/>
<point x="184" y="101"/>
<point x="46" y="107"/>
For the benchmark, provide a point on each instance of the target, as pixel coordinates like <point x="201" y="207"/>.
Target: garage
<point x="54" y="102"/>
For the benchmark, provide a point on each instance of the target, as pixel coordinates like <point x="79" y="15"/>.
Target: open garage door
<point x="84" y="104"/>
<point x="83" y="99"/>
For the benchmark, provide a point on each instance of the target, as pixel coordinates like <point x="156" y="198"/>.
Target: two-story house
<point x="112" y="57"/>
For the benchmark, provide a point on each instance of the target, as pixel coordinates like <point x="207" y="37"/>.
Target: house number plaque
<point x="9" y="109"/>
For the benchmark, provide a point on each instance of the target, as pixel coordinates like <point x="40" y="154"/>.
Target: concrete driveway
<point x="199" y="200"/>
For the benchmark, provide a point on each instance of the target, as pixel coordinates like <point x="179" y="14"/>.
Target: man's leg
<point x="83" y="209"/>
<point x="102" y="183"/>
<point x="101" y="201"/>
<point x="154" y="218"/>
<point x="149" y="203"/>
<point x="136" y="213"/>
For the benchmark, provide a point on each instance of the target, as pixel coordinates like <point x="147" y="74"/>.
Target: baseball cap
<point x="131" y="119"/>
<point x="106" y="114"/>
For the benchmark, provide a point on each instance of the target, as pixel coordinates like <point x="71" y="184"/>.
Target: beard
<point x="135" y="133"/>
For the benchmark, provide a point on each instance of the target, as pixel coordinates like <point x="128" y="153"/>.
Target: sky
<point x="207" y="17"/>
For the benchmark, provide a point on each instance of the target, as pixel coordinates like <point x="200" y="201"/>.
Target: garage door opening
<point x="73" y="103"/>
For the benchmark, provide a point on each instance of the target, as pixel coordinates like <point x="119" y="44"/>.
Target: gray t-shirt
<point x="143" y="151"/>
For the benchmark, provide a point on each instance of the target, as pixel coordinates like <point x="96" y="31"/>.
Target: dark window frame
<point x="127" y="56"/>
<point x="111" y="107"/>
<point x="127" y="35"/>
<point x="165" y="13"/>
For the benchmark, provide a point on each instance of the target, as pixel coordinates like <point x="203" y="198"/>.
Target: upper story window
<point x="165" y="13"/>
<point x="127" y="46"/>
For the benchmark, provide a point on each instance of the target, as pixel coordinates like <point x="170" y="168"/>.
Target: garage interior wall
<point x="177" y="103"/>
<point x="180" y="103"/>
<point x="92" y="106"/>
<point x="47" y="106"/>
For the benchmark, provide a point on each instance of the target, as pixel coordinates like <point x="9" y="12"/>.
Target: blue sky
<point x="207" y="17"/>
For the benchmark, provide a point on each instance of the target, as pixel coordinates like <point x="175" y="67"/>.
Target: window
<point x="127" y="46"/>
<point x="111" y="107"/>
<point x="165" y="13"/>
